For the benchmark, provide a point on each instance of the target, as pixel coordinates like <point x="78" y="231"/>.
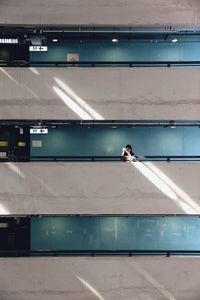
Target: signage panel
<point x="38" y="48"/>
<point x="8" y="41"/>
<point x="38" y="130"/>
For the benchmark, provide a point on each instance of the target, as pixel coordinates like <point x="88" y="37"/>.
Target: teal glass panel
<point x="122" y="51"/>
<point x="107" y="141"/>
<point x="115" y="233"/>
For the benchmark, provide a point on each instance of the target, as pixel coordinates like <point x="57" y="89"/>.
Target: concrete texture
<point x="141" y="278"/>
<point x="95" y="188"/>
<point x="115" y="93"/>
<point x="98" y="188"/>
<point x="100" y="12"/>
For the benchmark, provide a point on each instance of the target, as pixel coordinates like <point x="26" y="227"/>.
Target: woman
<point x="127" y="152"/>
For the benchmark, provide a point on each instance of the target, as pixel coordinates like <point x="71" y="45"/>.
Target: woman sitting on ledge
<point x="127" y="153"/>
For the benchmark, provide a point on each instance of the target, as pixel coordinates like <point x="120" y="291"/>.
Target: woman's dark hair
<point x="130" y="147"/>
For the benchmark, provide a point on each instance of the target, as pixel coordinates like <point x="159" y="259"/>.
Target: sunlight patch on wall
<point x="149" y="278"/>
<point x="9" y="76"/>
<point x="184" y="200"/>
<point x="15" y="169"/>
<point x="78" y="99"/>
<point x="156" y="180"/>
<point x="4" y="210"/>
<point x="90" y="288"/>
<point x="72" y="104"/>
<point x="34" y="71"/>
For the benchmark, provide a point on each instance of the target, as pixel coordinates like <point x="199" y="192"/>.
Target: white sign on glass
<point x="38" y="48"/>
<point x="39" y="130"/>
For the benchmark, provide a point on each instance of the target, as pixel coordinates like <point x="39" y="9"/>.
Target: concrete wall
<point x="100" y="278"/>
<point x="115" y="93"/>
<point x="100" y="12"/>
<point x="96" y="188"/>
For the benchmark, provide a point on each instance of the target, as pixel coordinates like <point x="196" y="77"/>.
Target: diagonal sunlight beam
<point x="165" y="185"/>
<point x="13" y="167"/>
<point x="156" y="180"/>
<point x="17" y="83"/>
<point x="149" y="278"/>
<point x="90" y="288"/>
<point x="170" y="190"/>
<point x="34" y="70"/>
<point x="9" y="76"/>
<point x="78" y="99"/>
<point x="47" y="187"/>
<point x="72" y="104"/>
<point x="186" y="200"/>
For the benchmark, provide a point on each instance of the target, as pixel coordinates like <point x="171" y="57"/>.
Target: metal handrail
<point x="94" y="252"/>
<point x="130" y="63"/>
<point x="90" y="158"/>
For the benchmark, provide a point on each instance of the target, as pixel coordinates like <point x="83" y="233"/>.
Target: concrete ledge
<point x="95" y="188"/>
<point x="114" y="93"/>
<point x="100" y="12"/>
<point x="151" y="278"/>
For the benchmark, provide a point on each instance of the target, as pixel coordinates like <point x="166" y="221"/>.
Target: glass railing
<point x="89" y="141"/>
<point x="95" y="46"/>
<point x="100" y="235"/>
